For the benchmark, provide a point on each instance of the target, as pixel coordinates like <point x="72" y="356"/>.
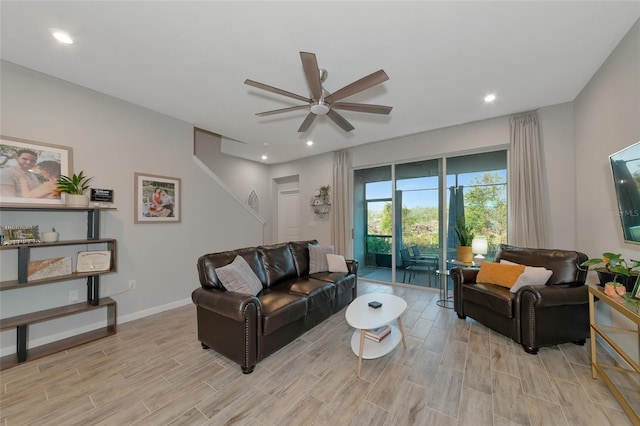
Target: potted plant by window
<point x="465" y="236"/>
<point x="74" y="187"/>
<point x="616" y="275"/>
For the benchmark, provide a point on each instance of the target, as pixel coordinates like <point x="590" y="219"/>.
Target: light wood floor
<point x="154" y="372"/>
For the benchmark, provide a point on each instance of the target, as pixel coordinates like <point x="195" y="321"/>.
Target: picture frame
<point x="94" y="261"/>
<point x="36" y="169"/>
<point x="18" y="234"/>
<point x="156" y="198"/>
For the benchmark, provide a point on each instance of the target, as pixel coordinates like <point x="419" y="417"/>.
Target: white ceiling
<point x="189" y="60"/>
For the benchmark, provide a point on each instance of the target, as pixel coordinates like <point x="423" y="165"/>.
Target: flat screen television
<point x="625" y="165"/>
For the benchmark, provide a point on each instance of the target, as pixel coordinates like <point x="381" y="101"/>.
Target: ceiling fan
<point x="321" y="101"/>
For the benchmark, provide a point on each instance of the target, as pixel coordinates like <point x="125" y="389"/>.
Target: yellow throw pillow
<point x="499" y="274"/>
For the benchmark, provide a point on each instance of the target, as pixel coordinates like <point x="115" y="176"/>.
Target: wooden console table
<point x="614" y="336"/>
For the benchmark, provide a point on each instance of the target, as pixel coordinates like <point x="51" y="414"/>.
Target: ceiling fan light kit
<point x="320" y="108"/>
<point x="318" y="103"/>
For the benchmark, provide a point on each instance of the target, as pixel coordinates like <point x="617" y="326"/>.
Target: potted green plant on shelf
<point x="75" y="188"/>
<point x="465" y="235"/>
<point x="614" y="269"/>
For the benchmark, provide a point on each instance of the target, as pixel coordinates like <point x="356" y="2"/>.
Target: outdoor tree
<point x="486" y="207"/>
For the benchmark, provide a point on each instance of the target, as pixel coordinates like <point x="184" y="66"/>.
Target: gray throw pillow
<point x="239" y="277"/>
<point x="318" y="258"/>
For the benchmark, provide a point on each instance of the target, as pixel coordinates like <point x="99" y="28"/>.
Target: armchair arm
<point x="553" y="314"/>
<point x="229" y="304"/>
<point x="461" y="276"/>
<point x="549" y="296"/>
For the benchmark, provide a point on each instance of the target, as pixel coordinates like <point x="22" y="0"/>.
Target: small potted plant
<point x="50" y="237"/>
<point x="75" y="187"/>
<point x="465" y="235"/>
<point x="615" y="267"/>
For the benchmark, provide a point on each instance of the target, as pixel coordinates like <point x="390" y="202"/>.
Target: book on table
<point x="377" y="334"/>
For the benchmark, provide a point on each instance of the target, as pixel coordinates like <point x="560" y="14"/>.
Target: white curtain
<point x="340" y="230"/>
<point x="527" y="199"/>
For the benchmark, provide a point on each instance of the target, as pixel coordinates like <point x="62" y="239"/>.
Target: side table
<point x="445" y="300"/>
<point x="362" y="317"/>
<point x="616" y="338"/>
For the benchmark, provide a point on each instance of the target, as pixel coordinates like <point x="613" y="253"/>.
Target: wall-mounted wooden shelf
<point x="21" y="322"/>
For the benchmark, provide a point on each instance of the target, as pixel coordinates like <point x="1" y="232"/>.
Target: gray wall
<point x="111" y="140"/>
<point x="607" y="119"/>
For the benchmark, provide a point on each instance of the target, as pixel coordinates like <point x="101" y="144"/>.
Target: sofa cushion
<point x="209" y="262"/>
<point x="344" y="283"/>
<point x="277" y="262"/>
<point x="318" y="258"/>
<point x="490" y="296"/>
<point x="238" y="276"/>
<point x="337" y="263"/>
<point x="500" y="274"/>
<point x="317" y="292"/>
<point x="300" y="253"/>
<point x="280" y="309"/>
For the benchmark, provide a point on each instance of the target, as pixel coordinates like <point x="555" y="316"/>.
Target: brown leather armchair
<point x="534" y="316"/>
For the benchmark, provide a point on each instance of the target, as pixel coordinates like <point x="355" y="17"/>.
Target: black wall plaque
<point x="102" y="195"/>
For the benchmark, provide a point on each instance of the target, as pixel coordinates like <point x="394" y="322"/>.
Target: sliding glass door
<point x="372" y="232"/>
<point x="405" y="214"/>
<point x="418" y="221"/>
<point x="477" y="194"/>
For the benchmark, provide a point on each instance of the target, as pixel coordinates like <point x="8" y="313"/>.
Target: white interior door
<point x="288" y="215"/>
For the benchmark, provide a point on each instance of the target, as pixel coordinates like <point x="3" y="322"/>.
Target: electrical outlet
<point x="132" y="284"/>
<point x="74" y="295"/>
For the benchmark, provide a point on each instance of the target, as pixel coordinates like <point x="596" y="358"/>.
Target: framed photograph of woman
<point x="29" y="171"/>
<point x="157" y="199"/>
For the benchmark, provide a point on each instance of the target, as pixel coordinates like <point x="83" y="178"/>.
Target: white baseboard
<point x="154" y="310"/>
<point x="88" y="327"/>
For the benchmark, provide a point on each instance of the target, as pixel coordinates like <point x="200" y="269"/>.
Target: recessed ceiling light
<point x="264" y="157"/>
<point x="490" y="98"/>
<point x="309" y="143"/>
<point x="62" y="37"/>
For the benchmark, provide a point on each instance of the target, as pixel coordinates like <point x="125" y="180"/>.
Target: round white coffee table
<point x="363" y="317"/>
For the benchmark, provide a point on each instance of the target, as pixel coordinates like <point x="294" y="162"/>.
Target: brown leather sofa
<point x="247" y="328"/>
<point x="534" y="316"/>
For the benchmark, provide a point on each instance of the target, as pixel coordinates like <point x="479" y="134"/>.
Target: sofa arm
<point x="229" y="304"/>
<point x="352" y="265"/>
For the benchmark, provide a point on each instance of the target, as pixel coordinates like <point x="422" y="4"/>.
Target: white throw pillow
<point x="318" y="258"/>
<point x="337" y="263"/>
<point x="239" y="277"/>
<point x="532" y="275"/>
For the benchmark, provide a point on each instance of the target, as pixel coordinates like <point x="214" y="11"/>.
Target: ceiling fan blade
<point x="276" y="90"/>
<point x="312" y="73"/>
<point x="307" y="122"/>
<point x="278" y="111"/>
<point x="340" y="121"/>
<point x="364" y="83"/>
<point x="373" y="109"/>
